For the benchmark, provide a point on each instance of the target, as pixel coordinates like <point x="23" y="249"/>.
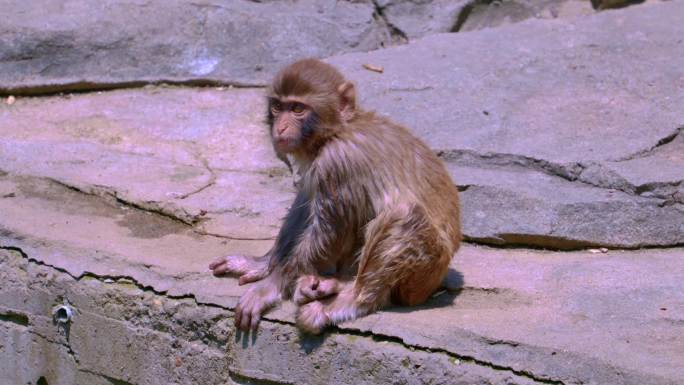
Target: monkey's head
<point x="308" y="102"/>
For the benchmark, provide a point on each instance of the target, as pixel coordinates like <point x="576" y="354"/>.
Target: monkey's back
<point x="383" y="164"/>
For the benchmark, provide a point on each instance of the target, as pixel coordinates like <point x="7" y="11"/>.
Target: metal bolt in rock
<point x="62" y="314"/>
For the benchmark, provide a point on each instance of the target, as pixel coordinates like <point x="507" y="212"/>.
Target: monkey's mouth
<point x="283" y="144"/>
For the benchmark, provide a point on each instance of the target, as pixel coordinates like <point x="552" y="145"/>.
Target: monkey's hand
<point x="310" y="288"/>
<point x="257" y="300"/>
<point x="247" y="269"/>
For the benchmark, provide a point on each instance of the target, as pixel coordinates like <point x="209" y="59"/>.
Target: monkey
<point x="375" y="220"/>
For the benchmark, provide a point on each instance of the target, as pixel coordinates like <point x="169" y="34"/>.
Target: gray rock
<point x="417" y="19"/>
<point x="499" y="13"/>
<point x="607" y="4"/>
<point x="554" y="147"/>
<point x="591" y="131"/>
<point x="201" y="156"/>
<point x="421" y="18"/>
<point x="147" y="310"/>
<point x="77" y="45"/>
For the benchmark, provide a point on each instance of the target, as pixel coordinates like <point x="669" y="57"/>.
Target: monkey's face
<point x="292" y="122"/>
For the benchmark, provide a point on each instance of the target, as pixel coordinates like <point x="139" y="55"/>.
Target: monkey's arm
<point x="331" y="221"/>
<point x="255" y="269"/>
<point x="296" y="222"/>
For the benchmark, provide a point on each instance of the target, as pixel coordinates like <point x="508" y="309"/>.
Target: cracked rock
<point x="72" y="45"/>
<point x="561" y="141"/>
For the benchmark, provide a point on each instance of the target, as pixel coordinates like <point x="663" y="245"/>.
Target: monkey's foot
<point x="315" y="316"/>
<point x="310" y="288"/>
<point x="256" y="301"/>
<point x="246" y="268"/>
<point x="312" y="318"/>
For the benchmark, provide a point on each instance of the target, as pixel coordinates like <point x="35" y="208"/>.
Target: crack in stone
<point x="465" y="12"/>
<point x="112" y="380"/>
<point x="108" y="193"/>
<point x="644" y="153"/>
<point x="397" y="36"/>
<point x="232" y="238"/>
<point x="186" y="219"/>
<point x="465" y="358"/>
<point x="70" y="351"/>
<point x="241" y="377"/>
<point x="212" y="177"/>
<point x="84" y="86"/>
<point x="344" y="331"/>
<point x="571" y="172"/>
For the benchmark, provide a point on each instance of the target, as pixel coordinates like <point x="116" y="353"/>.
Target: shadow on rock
<point x="452" y="287"/>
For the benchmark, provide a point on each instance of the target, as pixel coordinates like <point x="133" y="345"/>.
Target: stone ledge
<point x="146" y="301"/>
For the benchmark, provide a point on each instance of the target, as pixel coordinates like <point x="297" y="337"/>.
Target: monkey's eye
<point x="276" y="107"/>
<point x="297" y="108"/>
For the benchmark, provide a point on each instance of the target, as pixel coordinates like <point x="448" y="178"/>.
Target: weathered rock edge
<point x="532" y="312"/>
<point x="128" y="332"/>
<point x="210" y="165"/>
<point x="66" y="46"/>
<point x="73" y="46"/>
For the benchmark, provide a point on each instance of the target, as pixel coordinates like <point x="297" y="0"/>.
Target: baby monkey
<point x="376" y="217"/>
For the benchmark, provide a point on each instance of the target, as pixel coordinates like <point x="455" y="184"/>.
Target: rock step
<point x="203" y="156"/>
<point x="139" y="281"/>
<point x="74" y="46"/>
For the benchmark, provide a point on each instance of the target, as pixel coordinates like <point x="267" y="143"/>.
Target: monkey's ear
<point x="347" y="94"/>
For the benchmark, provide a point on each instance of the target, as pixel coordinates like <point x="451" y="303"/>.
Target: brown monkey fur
<point x="376" y="217"/>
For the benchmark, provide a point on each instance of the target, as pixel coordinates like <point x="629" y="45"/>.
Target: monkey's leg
<point x="248" y="269"/>
<point x="258" y="299"/>
<point x="403" y="259"/>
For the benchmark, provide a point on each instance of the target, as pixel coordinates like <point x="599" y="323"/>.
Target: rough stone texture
<point x="416" y="19"/>
<point x="498" y="116"/>
<point x="487" y="14"/>
<point x="208" y="162"/>
<point x="550" y="125"/>
<point x="561" y="134"/>
<point x="76" y="44"/>
<point x="147" y="310"/>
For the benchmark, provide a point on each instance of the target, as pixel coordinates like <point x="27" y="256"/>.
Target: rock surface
<point x="562" y="134"/>
<point x="552" y="125"/>
<point x="498" y="116"/>
<point x="416" y="19"/>
<point x="147" y="309"/>
<point x="77" y="45"/>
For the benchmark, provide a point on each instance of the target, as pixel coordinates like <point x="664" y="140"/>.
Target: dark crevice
<point x="465" y="13"/>
<point x="232" y="238"/>
<point x="644" y="153"/>
<point x="66" y="346"/>
<point x="111" y="380"/>
<point x="384" y="338"/>
<point x="397" y="36"/>
<point x="532" y="241"/>
<point x="569" y="172"/>
<point x="463" y="16"/>
<point x="512" y="241"/>
<point x="151" y="207"/>
<point x="243" y="379"/>
<point x="15" y="318"/>
<point x="88" y="86"/>
<point x="613" y="4"/>
<point x="345" y="331"/>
